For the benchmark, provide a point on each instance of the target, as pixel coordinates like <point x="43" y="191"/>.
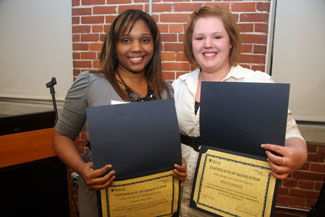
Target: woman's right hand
<point x="180" y="172"/>
<point x="99" y="178"/>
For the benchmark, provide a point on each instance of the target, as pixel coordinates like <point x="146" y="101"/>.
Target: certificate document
<point x="235" y="119"/>
<point x="138" y="139"/>
<point x="233" y="185"/>
<point x="152" y="195"/>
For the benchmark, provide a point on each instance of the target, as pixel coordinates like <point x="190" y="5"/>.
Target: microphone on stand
<point x="50" y="85"/>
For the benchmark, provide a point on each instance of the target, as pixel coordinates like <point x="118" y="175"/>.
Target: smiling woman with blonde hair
<point x="230" y="26"/>
<point x="212" y="43"/>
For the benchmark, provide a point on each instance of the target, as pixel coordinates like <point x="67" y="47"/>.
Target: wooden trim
<point x="24" y="147"/>
<point x="30" y="146"/>
<point x="70" y="189"/>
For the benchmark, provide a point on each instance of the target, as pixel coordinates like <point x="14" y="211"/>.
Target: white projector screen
<point x="299" y="56"/>
<point x="35" y="45"/>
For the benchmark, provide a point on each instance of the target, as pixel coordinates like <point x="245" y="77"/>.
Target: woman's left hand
<point x="292" y="156"/>
<point x="180" y="172"/>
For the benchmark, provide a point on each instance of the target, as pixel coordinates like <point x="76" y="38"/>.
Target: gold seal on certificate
<point x="233" y="185"/>
<point x="152" y="195"/>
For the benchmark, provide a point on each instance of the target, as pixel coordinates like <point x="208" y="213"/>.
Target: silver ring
<point x="284" y="162"/>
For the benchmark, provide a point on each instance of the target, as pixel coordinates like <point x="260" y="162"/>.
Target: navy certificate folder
<point x="240" y="116"/>
<point x="135" y="138"/>
<point x="237" y="117"/>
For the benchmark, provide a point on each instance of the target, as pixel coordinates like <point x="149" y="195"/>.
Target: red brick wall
<point x="91" y="19"/>
<point x="302" y="188"/>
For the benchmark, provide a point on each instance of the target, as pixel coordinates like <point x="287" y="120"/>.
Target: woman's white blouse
<point x="185" y="88"/>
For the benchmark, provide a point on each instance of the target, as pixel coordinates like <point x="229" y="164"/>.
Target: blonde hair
<point x="229" y="23"/>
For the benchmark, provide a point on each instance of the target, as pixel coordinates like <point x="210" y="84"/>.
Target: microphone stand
<point x="50" y="85"/>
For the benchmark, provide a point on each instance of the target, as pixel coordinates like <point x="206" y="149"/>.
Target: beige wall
<point x="35" y="45"/>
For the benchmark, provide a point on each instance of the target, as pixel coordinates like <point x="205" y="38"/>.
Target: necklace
<point x="135" y="97"/>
